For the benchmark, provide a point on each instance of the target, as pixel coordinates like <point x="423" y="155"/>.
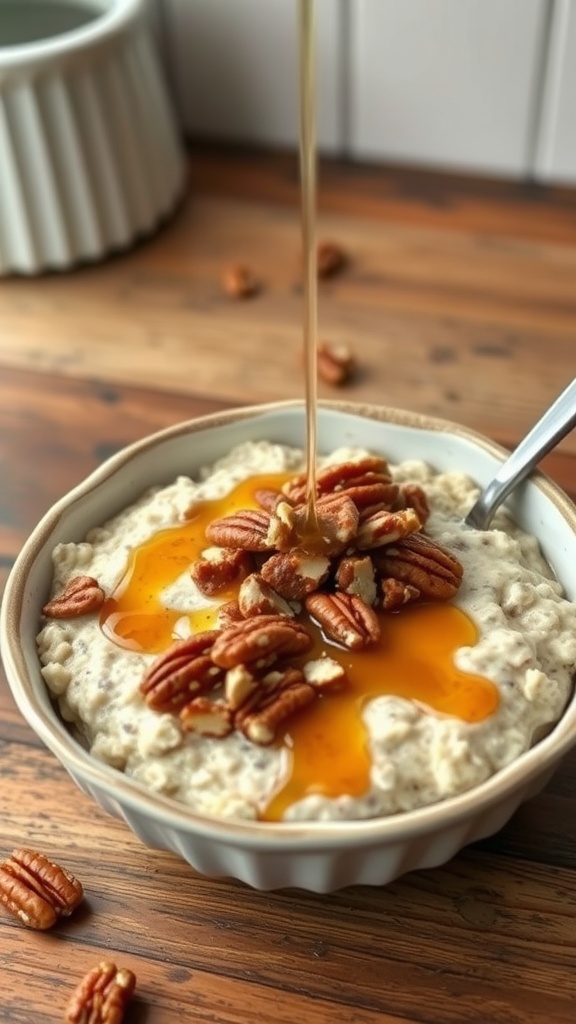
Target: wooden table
<point x="460" y="300"/>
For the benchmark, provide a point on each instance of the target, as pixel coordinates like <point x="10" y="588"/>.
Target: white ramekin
<point x="90" y="156"/>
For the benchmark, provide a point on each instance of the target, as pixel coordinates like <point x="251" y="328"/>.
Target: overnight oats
<point x="211" y="646"/>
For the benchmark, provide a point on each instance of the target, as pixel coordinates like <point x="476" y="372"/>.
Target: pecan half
<point x="36" y="890"/>
<point x="181" y="672"/>
<point x="264" y="639"/>
<point x="267" y="498"/>
<point x="337" y="476"/>
<point x="345" y="618"/>
<point x="247" y="529"/>
<point x="424" y="564"/>
<point x="207" y="717"/>
<point x="283" y="694"/>
<point x="102" y="996"/>
<point x="81" y="596"/>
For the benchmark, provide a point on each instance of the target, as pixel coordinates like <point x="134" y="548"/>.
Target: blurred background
<point x="481" y="86"/>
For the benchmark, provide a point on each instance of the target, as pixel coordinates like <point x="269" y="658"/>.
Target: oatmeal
<point x="405" y="734"/>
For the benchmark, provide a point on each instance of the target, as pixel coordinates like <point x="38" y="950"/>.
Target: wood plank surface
<point x="445" y="317"/>
<point x="460" y="300"/>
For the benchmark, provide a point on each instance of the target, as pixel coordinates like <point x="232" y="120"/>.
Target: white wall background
<point x="485" y="86"/>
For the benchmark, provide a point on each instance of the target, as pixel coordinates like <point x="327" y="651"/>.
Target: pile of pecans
<point x="370" y="553"/>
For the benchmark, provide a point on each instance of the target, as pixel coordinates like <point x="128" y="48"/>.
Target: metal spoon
<point x="556" y="422"/>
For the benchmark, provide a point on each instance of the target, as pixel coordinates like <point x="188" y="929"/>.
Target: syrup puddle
<point x="327" y="743"/>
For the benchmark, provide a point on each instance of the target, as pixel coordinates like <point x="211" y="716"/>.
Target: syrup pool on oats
<point x="325" y="738"/>
<point x="407" y="729"/>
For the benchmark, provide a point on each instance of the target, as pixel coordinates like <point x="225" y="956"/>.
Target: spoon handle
<point x="556" y="422"/>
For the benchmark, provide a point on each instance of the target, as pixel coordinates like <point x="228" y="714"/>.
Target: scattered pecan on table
<point x="36" y="890"/>
<point x="81" y="596"/>
<point x="102" y="996"/>
<point x="239" y="282"/>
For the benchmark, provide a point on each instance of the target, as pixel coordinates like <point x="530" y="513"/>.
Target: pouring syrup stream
<point x="308" y="176"/>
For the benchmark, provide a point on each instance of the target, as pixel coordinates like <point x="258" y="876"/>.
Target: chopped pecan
<point x="229" y="614"/>
<point x="335" y="525"/>
<point x="413" y="496"/>
<point x="217" y="568"/>
<point x="239" y="685"/>
<point x="257" y="597"/>
<point x="424" y="564"/>
<point x="182" y="671"/>
<point x="102" y="996"/>
<point x="239" y="282"/>
<point x="396" y="594"/>
<point x="36" y="890"/>
<point x="371" y="493"/>
<point x="385" y="527"/>
<point x="325" y="674"/>
<point x="345" y="618"/>
<point x="207" y="717"/>
<point x="331" y="259"/>
<point x="81" y="596"/>
<point x="247" y="529"/>
<point x="336" y="363"/>
<point x="293" y="574"/>
<point x="261" y="639"/>
<point x="283" y="696"/>
<point x="282" y="531"/>
<point x="355" y="575"/>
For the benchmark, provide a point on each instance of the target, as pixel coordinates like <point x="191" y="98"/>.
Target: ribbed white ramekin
<point x="90" y="157"/>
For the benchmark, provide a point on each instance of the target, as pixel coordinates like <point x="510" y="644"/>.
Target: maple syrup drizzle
<point x="327" y="742"/>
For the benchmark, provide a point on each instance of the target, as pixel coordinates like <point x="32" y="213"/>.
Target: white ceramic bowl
<point x="90" y="157"/>
<point x="320" y="857"/>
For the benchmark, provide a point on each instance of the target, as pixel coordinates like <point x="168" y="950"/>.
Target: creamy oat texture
<point x="527" y="646"/>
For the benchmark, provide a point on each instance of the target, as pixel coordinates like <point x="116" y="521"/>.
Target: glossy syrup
<point x="326" y="743"/>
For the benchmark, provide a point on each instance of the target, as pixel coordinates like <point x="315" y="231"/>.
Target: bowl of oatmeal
<point x="297" y="693"/>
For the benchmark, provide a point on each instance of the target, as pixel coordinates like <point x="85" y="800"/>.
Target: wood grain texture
<point x="444" y="317"/>
<point x="438" y="306"/>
